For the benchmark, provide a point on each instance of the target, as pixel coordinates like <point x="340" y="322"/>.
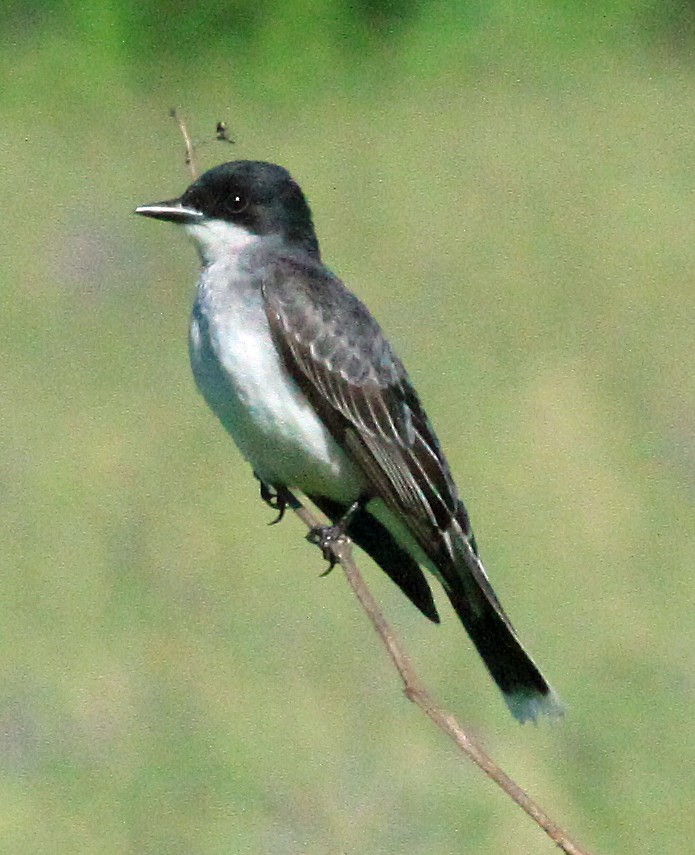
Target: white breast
<point x="239" y="372"/>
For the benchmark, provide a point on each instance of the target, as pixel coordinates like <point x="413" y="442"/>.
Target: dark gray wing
<point x="339" y="356"/>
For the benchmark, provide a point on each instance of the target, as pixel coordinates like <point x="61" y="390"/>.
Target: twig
<point x="416" y="691"/>
<point x="190" y="148"/>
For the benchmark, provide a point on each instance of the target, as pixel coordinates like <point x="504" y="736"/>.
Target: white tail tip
<point x="529" y="705"/>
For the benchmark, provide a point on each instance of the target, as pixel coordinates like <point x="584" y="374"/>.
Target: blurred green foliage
<point x="319" y="43"/>
<point x="518" y="179"/>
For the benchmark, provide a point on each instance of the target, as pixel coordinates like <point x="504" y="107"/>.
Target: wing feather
<point x="342" y="361"/>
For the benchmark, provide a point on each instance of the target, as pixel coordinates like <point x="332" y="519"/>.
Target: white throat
<point x="218" y="240"/>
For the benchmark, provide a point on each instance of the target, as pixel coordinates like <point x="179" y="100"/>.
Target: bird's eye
<point x="238" y="202"/>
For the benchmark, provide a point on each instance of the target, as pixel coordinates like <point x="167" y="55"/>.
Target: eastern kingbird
<point x="302" y="377"/>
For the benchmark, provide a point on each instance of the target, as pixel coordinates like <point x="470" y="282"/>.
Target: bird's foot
<point x="327" y="538"/>
<point x="274" y="500"/>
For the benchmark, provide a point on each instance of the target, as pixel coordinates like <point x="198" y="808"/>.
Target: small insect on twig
<point x="222" y="133"/>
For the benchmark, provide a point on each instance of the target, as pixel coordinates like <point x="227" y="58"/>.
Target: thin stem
<point x="190" y="147"/>
<point x="416" y="691"/>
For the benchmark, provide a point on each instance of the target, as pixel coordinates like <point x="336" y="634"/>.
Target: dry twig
<point x="190" y="148"/>
<point x="416" y="691"/>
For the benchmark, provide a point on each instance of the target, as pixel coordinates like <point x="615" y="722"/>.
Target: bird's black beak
<point x="173" y="211"/>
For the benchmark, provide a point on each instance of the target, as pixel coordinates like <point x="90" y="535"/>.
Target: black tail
<point x="526" y="691"/>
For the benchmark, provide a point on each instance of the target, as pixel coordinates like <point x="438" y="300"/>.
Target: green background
<point x="509" y="186"/>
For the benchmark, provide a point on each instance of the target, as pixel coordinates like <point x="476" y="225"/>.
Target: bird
<point x="302" y="377"/>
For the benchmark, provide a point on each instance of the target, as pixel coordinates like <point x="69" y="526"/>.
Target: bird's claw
<point x="274" y="500"/>
<point x="326" y="538"/>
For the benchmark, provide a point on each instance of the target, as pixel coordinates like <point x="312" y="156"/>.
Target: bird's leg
<point x="325" y="537"/>
<point x="274" y="499"/>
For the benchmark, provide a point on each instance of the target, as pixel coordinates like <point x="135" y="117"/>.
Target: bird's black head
<point x="258" y="198"/>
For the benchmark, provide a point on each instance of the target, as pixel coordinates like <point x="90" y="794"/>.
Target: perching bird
<point x="301" y="375"/>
